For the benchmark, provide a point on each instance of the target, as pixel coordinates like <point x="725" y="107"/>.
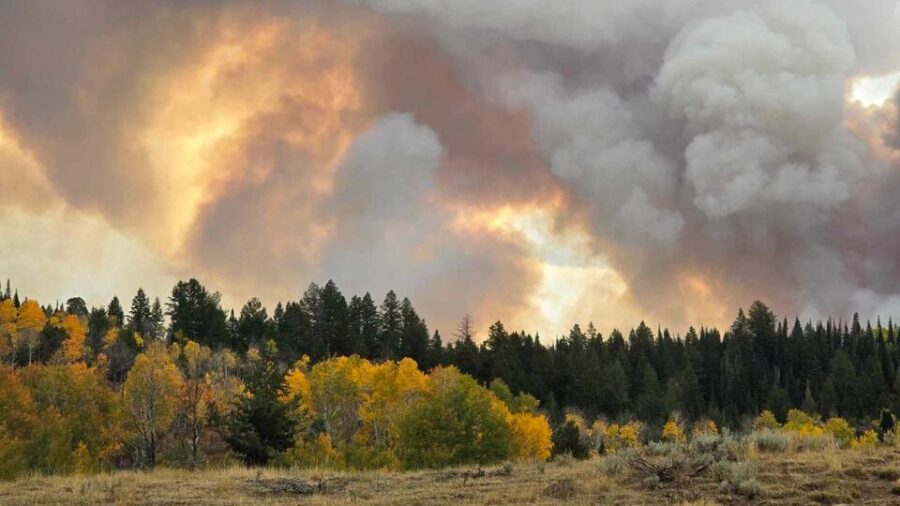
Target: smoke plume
<point x="539" y="162"/>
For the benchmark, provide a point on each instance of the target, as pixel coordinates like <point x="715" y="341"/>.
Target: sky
<point x="543" y="163"/>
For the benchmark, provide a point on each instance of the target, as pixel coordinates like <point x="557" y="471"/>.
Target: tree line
<point x="831" y="367"/>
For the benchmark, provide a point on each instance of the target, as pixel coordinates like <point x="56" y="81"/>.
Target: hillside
<point x="816" y="477"/>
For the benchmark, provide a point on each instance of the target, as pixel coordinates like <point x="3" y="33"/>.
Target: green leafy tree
<point x="455" y="422"/>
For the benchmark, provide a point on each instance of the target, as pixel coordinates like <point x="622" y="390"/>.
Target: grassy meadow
<point x="819" y="476"/>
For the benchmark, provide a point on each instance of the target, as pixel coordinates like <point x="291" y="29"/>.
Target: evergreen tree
<point x="436" y="350"/>
<point x="140" y="319"/>
<point x="98" y="326"/>
<point x="334" y="321"/>
<point x="465" y="351"/>
<point x="115" y="312"/>
<point x="262" y="424"/>
<point x="413" y="335"/>
<point x="567" y="439"/>
<point x="314" y="343"/>
<point x="197" y="316"/>
<point x="293" y="333"/>
<point x="391" y="328"/>
<point x="651" y="405"/>
<point x="77" y="307"/>
<point x="157" y="320"/>
<point x="253" y="324"/>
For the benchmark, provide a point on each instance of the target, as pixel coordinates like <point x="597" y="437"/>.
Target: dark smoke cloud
<point x="706" y="147"/>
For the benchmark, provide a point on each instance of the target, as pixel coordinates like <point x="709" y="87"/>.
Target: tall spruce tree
<point x="263" y="423"/>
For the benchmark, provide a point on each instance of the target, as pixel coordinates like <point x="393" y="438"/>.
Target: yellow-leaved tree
<point x="29" y="323"/>
<point x="8" y="335"/>
<point x="73" y="348"/>
<point x="151" y="395"/>
<point x="76" y="407"/>
<point x="531" y="436"/>
<point x="197" y="394"/>
<point x="388" y="415"/>
<point x="17" y="419"/>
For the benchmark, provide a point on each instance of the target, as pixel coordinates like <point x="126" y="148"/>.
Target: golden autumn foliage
<point x="150" y="395"/>
<point x="394" y="415"/>
<point x="866" y="441"/>
<point x="615" y="436"/>
<point x="73" y="349"/>
<point x="805" y="427"/>
<point x="842" y="432"/>
<point x="673" y="432"/>
<point x="531" y="436"/>
<point x="766" y="420"/>
<point x="197" y="392"/>
<point x="705" y="427"/>
<point x="29" y="323"/>
<point x="8" y="334"/>
<point x="65" y="416"/>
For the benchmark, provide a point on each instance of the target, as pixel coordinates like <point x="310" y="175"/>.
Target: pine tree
<point x="196" y="315"/>
<point x="252" y="324"/>
<point x="262" y="423"/>
<point x="334" y="321"/>
<point x="157" y="321"/>
<point x="115" y="312"/>
<point x="413" y="335"/>
<point x="391" y="327"/>
<point x="436" y="350"/>
<point x="140" y="317"/>
<point x="465" y="351"/>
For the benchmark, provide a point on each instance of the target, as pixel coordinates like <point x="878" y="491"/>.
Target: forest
<point x="324" y="381"/>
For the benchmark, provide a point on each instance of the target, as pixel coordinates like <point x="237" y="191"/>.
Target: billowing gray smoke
<point x="708" y="146"/>
<point x="708" y="138"/>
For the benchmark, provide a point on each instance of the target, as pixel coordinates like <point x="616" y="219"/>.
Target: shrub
<point x="892" y="438"/>
<point x="797" y="419"/>
<point x="705" y="427"/>
<point x="814" y="441"/>
<point x="656" y="448"/>
<point x="738" y="477"/>
<point x="886" y="423"/>
<point x="617" y="437"/>
<point x="807" y="432"/>
<point x="705" y="442"/>
<point x="842" y="432"/>
<point x="766" y="420"/>
<point x="615" y="464"/>
<point x="772" y="441"/>
<point x="866" y="441"/>
<point x="673" y="432"/>
<point x="670" y="461"/>
<point x="531" y="436"/>
<point x="568" y="439"/>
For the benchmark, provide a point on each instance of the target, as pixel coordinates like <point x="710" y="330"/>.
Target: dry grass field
<point x="816" y="477"/>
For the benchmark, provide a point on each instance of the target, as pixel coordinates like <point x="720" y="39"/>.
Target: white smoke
<point x="703" y="136"/>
